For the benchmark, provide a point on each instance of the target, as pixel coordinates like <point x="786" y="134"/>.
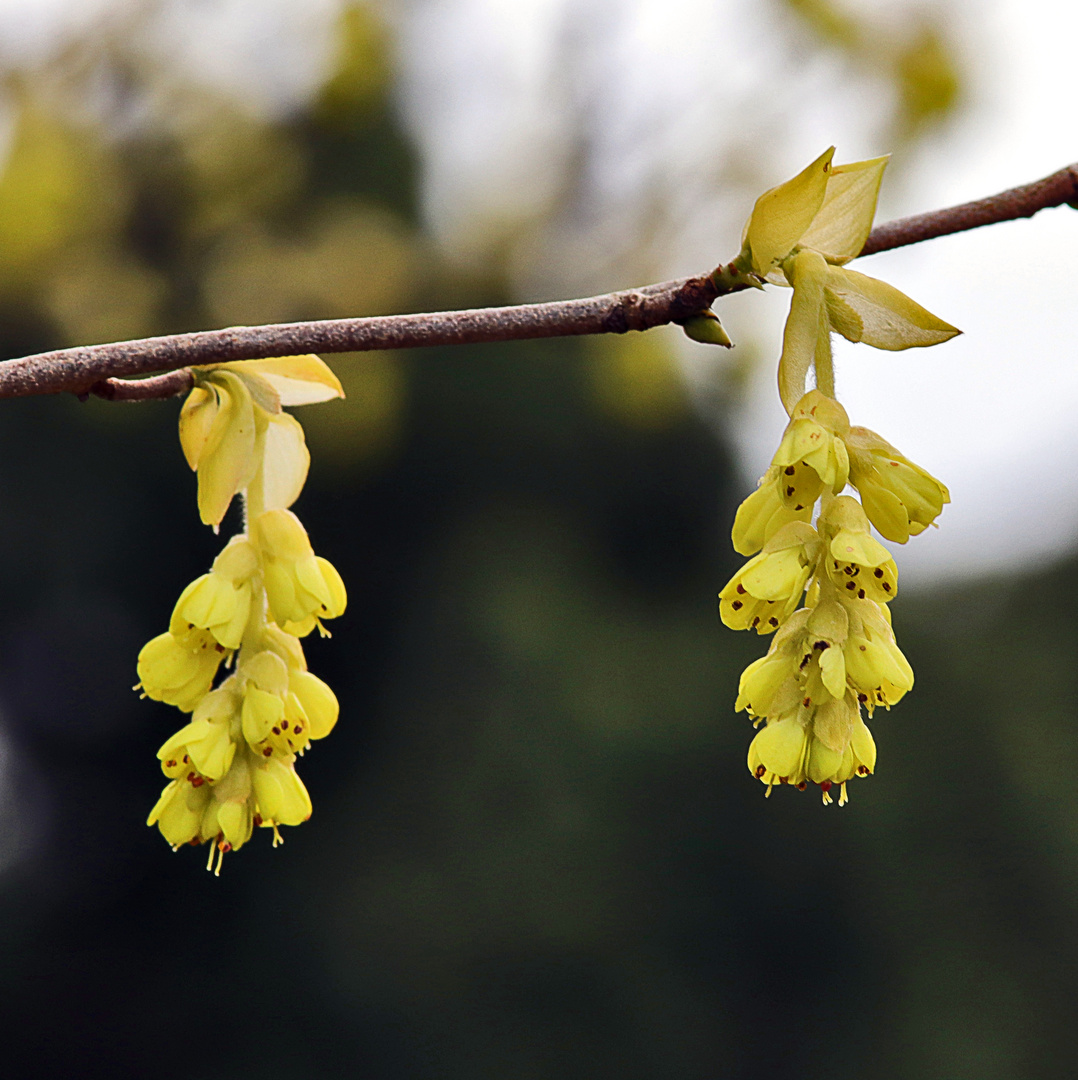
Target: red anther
<point x="802" y="786"/>
<point x="862" y="698"/>
<point x="737" y="605"/>
<point x="198" y="781"/>
<point x="790" y="470"/>
<point x="807" y="702"/>
<point x="878" y="572"/>
<point x="760" y="770"/>
<point x="186" y="759"/>
<point x="861" y="592"/>
<point x="297" y="729"/>
<point x="789" y="492"/>
<point x="825" y="785"/>
<point x="773" y="621"/>
<point x="191" y="777"/>
<point x="284" y="725"/>
<point x="257" y="820"/>
<point x="862" y="770"/>
<point x="267" y="751"/>
<point x="171" y="763"/>
<point x="741" y="590"/>
<point x="224" y="846"/>
<point x="276" y="731"/>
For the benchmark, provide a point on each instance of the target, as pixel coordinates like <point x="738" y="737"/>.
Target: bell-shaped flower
<point x="311" y="695"/>
<point x="778" y="752"/>
<point x="900" y="498"/>
<point x="228" y="817"/>
<point x="204" y="747"/>
<point x="857" y="564"/>
<point x="828" y="764"/>
<point x="763" y="513"/>
<point x="178" y="812"/>
<point x="220" y="601"/>
<point x="812" y="457"/>
<point x="280" y="796"/>
<point x="804" y="668"/>
<point x="179" y="668"/>
<point x="876" y="669"/>
<point x="771" y="685"/>
<point x="302" y="588"/>
<point x="767" y="589"/>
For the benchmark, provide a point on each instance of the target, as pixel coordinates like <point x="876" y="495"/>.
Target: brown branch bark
<point x="106" y="370"/>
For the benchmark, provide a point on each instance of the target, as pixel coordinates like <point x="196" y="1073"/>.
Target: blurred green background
<point x="536" y="851"/>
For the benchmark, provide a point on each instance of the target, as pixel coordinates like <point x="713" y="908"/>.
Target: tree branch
<point x="105" y="370"/>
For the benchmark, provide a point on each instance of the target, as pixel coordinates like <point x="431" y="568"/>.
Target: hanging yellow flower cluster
<point x="823" y="589"/>
<point x="232" y="768"/>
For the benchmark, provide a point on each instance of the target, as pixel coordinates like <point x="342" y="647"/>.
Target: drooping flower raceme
<point x="824" y="589"/>
<point x="231" y="768"/>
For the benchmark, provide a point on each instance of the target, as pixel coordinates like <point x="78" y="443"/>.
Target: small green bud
<point x="705" y="327"/>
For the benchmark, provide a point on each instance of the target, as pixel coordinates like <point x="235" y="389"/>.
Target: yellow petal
<point x="318" y="701"/>
<point x="890" y="319"/>
<point x="833" y="671"/>
<point x="782" y="215"/>
<point x="840" y="229"/>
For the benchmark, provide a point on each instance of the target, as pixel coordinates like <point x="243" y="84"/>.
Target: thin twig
<point x="104" y="369"/>
<point x="1020" y="202"/>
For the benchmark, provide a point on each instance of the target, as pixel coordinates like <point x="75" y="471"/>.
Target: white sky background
<point x="663" y="118"/>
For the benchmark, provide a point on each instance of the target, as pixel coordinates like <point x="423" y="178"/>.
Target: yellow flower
<point x="302" y="588"/>
<point x="765" y="591"/>
<point x="763" y="513"/>
<point x="789" y="751"/>
<point x="812" y="456"/>
<point x="205" y="746"/>
<point x="900" y="498"/>
<point x="778" y="751"/>
<point x="876" y="669"/>
<point x="178" y="812"/>
<point x="179" y="668"/>
<point x="804" y="668"/>
<point x="220" y="601"/>
<point x="856" y="563"/>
